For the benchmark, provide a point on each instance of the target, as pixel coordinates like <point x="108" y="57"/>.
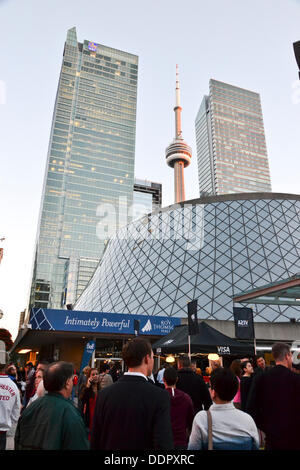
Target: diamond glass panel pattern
<point x="208" y="252"/>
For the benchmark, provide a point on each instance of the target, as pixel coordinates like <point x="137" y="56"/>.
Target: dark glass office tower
<point x="230" y="138"/>
<point x="147" y="197"/>
<point x="89" y="177"/>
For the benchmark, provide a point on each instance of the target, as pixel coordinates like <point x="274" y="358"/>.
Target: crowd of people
<point x="242" y="407"/>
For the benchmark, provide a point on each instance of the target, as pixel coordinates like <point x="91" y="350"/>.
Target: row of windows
<point x="113" y="88"/>
<point x="111" y="58"/>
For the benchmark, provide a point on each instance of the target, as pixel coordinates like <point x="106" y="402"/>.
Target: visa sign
<point x="223" y="349"/>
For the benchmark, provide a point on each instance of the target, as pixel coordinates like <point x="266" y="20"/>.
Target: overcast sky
<point x="244" y="43"/>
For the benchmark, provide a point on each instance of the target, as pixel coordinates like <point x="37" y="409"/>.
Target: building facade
<point x="230" y="139"/>
<point x="147" y="197"/>
<point x="89" y="176"/>
<point x="208" y="249"/>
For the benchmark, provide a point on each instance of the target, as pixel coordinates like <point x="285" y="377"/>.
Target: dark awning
<point x="208" y="340"/>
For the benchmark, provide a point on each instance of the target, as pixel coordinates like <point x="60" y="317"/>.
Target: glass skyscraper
<point x="147" y="197"/>
<point x="230" y="139"/>
<point x="89" y="177"/>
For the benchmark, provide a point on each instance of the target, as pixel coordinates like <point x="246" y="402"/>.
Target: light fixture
<point x="170" y="359"/>
<point x="213" y="357"/>
<point x="24" y="351"/>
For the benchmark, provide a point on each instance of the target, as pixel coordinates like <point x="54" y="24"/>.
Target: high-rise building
<point x="296" y="46"/>
<point x="89" y="176"/>
<point x="147" y="197"/>
<point x="231" y="147"/>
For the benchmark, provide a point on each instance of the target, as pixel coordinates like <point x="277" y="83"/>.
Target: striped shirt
<point x="232" y="429"/>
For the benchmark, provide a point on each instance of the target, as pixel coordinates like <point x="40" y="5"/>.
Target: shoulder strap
<point x="209" y="430"/>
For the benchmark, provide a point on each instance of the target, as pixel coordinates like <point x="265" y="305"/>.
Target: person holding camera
<point x="88" y="397"/>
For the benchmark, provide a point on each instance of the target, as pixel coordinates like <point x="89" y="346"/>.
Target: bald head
<point x="58" y="376"/>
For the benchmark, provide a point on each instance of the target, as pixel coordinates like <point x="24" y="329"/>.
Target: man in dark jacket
<point x="133" y="414"/>
<point x="274" y="402"/>
<point x="193" y="384"/>
<point x="52" y="422"/>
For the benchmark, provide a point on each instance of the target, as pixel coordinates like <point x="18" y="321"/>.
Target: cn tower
<point x="178" y="153"/>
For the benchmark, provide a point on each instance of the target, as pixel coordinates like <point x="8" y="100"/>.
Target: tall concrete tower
<point x="178" y="153"/>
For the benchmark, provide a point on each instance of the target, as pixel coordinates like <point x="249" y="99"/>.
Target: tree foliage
<point x="6" y="337"/>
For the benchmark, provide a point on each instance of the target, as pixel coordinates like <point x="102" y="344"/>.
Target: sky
<point x="245" y="43"/>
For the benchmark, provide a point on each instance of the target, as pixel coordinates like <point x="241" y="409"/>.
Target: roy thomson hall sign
<point x="94" y="322"/>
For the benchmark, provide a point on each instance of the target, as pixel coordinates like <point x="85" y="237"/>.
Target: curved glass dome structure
<point x="207" y="249"/>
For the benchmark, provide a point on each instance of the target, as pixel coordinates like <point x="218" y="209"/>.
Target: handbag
<point x="209" y="430"/>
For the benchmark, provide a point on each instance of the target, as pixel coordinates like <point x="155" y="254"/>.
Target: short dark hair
<point x="259" y="356"/>
<point x="135" y="350"/>
<point x="184" y="361"/>
<point x="225" y="383"/>
<point x="103" y="368"/>
<point x="170" y="376"/>
<point x="279" y="350"/>
<point x="244" y="365"/>
<point x="56" y="375"/>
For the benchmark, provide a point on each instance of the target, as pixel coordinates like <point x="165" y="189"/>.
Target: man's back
<point x="51" y="423"/>
<point x="132" y="414"/>
<point x="232" y="429"/>
<point x="274" y="403"/>
<point x="9" y="403"/>
<point x="182" y="415"/>
<point x="195" y="387"/>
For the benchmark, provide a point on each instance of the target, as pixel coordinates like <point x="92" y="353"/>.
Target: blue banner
<point x="99" y="322"/>
<point x="87" y="354"/>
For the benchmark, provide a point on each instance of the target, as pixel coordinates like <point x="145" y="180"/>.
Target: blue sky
<point x="244" y="43"/>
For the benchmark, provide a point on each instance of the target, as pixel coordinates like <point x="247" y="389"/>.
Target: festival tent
<point x="208" y="340"/>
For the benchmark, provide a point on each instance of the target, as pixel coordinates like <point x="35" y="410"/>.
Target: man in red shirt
<point x="182" y="410"/>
